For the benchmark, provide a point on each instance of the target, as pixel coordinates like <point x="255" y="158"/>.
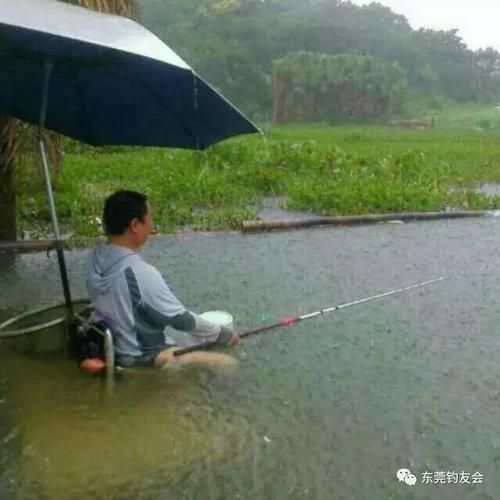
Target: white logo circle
<point x="410" y="480"/>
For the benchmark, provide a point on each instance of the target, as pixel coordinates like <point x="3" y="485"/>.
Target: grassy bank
<point x="329" y="170"/>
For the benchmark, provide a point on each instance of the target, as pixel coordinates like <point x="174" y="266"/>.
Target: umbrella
<point x="112" y="81"/>
<point x="104" y="80"/>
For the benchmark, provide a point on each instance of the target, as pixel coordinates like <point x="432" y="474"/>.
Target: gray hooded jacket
<point x="136" y="302"/>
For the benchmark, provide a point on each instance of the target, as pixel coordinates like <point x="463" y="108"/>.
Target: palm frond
<point x="126" y="8"/>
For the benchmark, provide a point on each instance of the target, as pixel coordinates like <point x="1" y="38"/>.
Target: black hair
<point x="122" y="207"/>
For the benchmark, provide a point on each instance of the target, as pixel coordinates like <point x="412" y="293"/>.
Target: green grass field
<point x="329" y="170"/>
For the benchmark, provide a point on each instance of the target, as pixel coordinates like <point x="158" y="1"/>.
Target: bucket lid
<point x="221" y="318"/>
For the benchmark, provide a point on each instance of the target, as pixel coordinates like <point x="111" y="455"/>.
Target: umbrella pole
<point x="52" y="206"/>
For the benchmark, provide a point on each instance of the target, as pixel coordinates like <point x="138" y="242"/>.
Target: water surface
<point x="330" y="408"/>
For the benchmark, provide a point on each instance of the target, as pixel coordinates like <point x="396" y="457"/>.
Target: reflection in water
<point x="7" y="259"/>
<point x="7" y="304"/>
<point x="330" y="408"/>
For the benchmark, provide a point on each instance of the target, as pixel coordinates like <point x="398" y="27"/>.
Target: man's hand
<point x="234" y="340"/>
<point x="165" y="356"/>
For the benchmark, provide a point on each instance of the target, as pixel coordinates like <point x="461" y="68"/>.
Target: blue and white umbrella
<point x="112" y="82"/>
<point x="104" y="80"/>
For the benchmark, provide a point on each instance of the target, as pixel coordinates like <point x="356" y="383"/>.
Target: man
<point x="134" y="300"/>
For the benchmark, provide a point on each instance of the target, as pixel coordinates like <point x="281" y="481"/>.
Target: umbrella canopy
<point x="103" y="79"/>
<point x="111" y="81"/>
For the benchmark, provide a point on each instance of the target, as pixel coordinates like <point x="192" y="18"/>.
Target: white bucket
<point x="221" y="318"/>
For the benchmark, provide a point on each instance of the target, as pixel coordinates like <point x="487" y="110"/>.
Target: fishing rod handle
<point x="288" y="321"/>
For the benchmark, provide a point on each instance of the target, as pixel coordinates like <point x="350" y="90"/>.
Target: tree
<point x="311" y="86"/>
<point x="10" y="139"/>
<point x="233" y="43"/>
<point x="126" y="8"/>
<point x="488" y="62"/>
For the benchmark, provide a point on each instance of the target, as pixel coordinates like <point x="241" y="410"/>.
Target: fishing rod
<point x="293" y="320"/>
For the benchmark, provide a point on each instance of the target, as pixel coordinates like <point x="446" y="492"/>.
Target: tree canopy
<point x="237" y="44"/>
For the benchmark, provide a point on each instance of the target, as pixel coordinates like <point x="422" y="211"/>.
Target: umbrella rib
<point x="177" y="116"/>
<point x="85" y="119"/>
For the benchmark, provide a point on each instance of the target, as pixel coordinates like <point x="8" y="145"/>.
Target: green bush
<point x="328" y="170"/>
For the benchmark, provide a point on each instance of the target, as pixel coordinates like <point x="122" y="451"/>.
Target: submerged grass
<point x="329" y="170"/>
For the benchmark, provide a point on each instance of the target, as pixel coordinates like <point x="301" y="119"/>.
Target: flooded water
<point x="329" y="408"/>
<point x="489" y="189"/>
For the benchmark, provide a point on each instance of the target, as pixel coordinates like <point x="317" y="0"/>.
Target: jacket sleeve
<point x="162" y="308"/>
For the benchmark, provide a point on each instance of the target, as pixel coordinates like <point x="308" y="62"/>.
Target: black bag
<point x="90" y="341"/>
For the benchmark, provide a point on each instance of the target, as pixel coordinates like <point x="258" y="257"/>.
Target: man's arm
<point x="163" y="308"/>
<point x="199" y="327"/>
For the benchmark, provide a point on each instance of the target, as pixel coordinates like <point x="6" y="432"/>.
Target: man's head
<point x="127" y="215"/>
